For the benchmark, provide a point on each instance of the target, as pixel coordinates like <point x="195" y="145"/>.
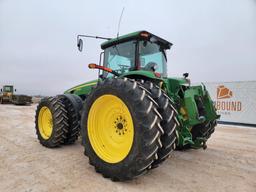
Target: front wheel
<point x="204" y="130"/>
<point x="200" y="135"/>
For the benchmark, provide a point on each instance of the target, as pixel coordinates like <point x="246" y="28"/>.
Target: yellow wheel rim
<point x="110" y="128"/>
<point x="45" y="122"/>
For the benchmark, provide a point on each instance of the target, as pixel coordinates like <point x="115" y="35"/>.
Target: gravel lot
<point x="228" y="164"/>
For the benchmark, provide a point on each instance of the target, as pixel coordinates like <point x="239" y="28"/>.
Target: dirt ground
<point x="228" y="164"/>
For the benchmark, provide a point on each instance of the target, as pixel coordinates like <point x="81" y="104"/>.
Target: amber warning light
<point x="92" y="65"/>
<point x="144" y="34"/>
<point x="95" y="66"/>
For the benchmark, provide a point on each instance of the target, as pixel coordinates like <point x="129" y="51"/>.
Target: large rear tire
<point x="169" y="121"/>
<point x="73" y="105"/>
<point x="121" y="127"/>
<point x="51" y="122"/>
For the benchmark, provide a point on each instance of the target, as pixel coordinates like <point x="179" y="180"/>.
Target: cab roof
<point x="138" y="35"/>
<point x="7" y="85"/>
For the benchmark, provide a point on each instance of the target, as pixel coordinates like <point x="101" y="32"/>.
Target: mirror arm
<point x="90" y="36"/>
<point x="79" y="38"/>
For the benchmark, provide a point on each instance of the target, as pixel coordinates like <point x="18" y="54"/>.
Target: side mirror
<point x="1" y="90"/>
<point x="80" y="45"/>
<point x="15" y="90"/>
<point x="185" y="75"/>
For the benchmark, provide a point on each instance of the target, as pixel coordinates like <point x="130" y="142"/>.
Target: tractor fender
<point x="146" y="75"/>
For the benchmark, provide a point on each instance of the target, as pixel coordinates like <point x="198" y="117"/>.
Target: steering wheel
<point x="123" y="68"/>
<point x="151" y="66"/>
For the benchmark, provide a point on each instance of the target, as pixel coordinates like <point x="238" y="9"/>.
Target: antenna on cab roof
<point x="119" y="23"/>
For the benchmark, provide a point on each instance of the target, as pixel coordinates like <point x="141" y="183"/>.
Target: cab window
<point x="120" y="58"/>
<point x="152" y="57"/>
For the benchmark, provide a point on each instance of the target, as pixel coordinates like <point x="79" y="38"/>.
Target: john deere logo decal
<point x="224" y="102"/>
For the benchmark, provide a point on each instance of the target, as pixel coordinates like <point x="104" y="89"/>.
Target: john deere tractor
<point x="133" y="116"/>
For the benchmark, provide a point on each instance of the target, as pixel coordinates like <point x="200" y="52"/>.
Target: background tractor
<point x="7" y="96"/>
<point x="133" y="116"/>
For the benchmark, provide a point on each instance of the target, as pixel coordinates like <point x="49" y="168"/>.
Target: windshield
<point x="152" y="57"/>
<point x="120" y="58"/>
<point x="7" y="89"/>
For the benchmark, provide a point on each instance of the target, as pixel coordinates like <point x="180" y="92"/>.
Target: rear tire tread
<point x="168" y="122"/>
<point x="137" y="163"/>
<point x="60" y="122"/>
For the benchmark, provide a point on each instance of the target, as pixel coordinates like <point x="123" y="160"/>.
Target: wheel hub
<point x="120" y="125"/>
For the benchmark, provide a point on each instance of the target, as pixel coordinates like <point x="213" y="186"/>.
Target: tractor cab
<point x="136" y="51"/>
<point x="6" y="94"/>
<point x="7" y="89"/>
<point x="139" y="52"/>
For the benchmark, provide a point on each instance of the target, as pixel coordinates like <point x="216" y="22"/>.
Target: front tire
<point x="204" y="130"/>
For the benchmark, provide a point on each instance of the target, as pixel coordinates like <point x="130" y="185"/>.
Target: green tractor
<point x="133" y="116"/>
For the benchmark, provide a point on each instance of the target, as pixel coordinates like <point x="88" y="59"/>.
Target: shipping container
<point x="234" y="101"/>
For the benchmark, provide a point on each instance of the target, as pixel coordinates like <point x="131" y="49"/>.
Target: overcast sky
<point x="214" y="40"/>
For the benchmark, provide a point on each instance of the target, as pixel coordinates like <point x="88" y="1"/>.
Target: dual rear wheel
<point x="57" y="120"/>
<point x="127" y="127"/>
